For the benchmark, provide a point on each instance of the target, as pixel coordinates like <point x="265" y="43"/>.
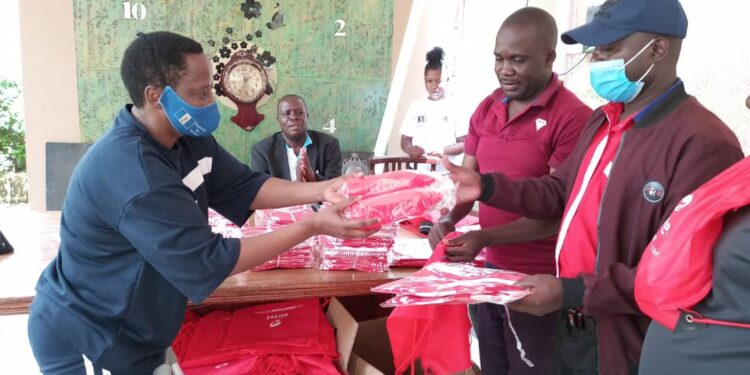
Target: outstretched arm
<point x="465" y="247"/>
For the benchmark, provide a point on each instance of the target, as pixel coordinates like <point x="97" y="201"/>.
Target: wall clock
<point x="243" y="79"/>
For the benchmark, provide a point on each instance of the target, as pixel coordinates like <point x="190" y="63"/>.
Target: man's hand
<point x="304" y="170"/>
<point x="468" y="181"/>
<point x="546" y="295"/>
<point x="465" y="247"/>
<point x="330" y="221"/>
<point x="435" y="154"/>
<point x="415" y="151"/>
<point x="440" y="229"/>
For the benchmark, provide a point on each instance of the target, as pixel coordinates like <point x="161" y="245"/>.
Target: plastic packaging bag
<point x="362" y="254"/>
<point x="395" y="196"/>
<point x="282" y="216"/>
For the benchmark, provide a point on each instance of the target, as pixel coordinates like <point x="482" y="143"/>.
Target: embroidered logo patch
<point x="540" y="123"/>
<point x="653" y="191"/>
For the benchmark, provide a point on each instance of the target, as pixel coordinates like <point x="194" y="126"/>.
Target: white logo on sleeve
<point x="540" y="123"/>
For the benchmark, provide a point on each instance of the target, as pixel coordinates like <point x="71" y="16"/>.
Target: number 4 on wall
<point x="330" y="126"/>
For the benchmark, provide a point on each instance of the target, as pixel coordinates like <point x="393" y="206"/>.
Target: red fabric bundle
<point x="301" y="255"/>
<point x="395" y="196"/>
<point x="442" y="282"/>
<point x="282" y="216"/>
<point x="366" y="186"/>
<point x="409" y="252"/>
<point x="676" y="269"/>
<point x="437" y="335"/>
<point x="221" y="225"/>
<point x="395" y="206"/>
<point x="369" y="256"/>
<point x="362" y="254"/>
<point x="292" y="337"/>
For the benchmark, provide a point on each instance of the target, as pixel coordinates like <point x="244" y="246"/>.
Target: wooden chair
<point x="397" y="163"/>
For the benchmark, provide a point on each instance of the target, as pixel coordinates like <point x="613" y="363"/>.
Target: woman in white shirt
<point x="430" y="127"/>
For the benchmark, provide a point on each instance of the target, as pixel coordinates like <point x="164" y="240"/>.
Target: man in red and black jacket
<point x="638" y="155"/>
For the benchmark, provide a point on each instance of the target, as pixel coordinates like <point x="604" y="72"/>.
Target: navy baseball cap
<point x="617" y="19"/>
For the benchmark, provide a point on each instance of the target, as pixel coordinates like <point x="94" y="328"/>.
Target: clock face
<point x="246" y="81"/>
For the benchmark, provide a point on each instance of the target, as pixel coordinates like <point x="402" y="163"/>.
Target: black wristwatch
<point x="487" y="186"/>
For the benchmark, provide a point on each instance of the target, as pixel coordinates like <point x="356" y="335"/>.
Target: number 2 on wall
<point x="132" y="11"/>
<point x="330" y="126"/>
<point x="340" y="24"/>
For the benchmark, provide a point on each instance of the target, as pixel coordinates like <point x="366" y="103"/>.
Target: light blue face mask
<point x="189" y="120"/>
<point x="609" y="80"/>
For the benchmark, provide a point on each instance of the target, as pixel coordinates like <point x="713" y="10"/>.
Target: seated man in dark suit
<point x="296" y="153"/>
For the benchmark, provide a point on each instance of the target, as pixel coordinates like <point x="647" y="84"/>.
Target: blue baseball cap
<point x="617" y="19"/>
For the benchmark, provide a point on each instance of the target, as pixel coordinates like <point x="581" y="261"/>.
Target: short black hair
<point x="289" y="96"/>
<point x="434" y="59"/>
<point x="156" y="59"/>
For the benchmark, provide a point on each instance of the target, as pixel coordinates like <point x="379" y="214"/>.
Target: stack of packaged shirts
<point x="301" y="255"/>
<point x="409" y="252"/>
<point x="442" y="282"/>
<point x="362" y="254"/>
<point x="221" y="225"/>
<point x="282" y="216"/>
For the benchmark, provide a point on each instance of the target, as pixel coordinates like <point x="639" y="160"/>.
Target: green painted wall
<point x="345" y="78"/>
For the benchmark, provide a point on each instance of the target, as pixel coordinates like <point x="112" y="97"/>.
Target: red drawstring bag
<point x="676" y="268"/>
<point x="437" y="335"/>
<point x="292" y="337"/>
<point x="395" y="196"/>
<point x="366" y="186"/>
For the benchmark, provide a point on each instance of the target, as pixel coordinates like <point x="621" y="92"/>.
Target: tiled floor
<point x="15" y="352"/>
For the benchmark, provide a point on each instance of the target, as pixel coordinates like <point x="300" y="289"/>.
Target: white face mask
<point x="609" y="80"/>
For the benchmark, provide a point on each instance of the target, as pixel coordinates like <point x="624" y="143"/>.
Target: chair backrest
<point x="397" y="163"/>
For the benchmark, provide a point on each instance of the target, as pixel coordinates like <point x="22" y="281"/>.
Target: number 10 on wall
<point x="133" y="11"/>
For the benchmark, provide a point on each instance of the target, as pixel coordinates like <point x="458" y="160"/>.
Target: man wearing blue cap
<point x="637" y="157"/>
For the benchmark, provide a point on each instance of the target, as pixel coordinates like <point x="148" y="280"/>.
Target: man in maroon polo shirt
<point x="525" y="128"/>
<point x="637" y="157"/>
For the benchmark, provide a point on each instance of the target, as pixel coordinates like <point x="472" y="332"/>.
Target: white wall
<point x="715" y="61"/>
<point x="466" y="30"/>
<point x="713" y="64"/>
<point x="10" y="63"/>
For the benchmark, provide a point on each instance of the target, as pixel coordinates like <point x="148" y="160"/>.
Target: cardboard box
<point x="364" y="345"/>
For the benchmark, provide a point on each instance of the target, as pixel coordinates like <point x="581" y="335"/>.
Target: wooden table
<point x="35" y="236"/>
